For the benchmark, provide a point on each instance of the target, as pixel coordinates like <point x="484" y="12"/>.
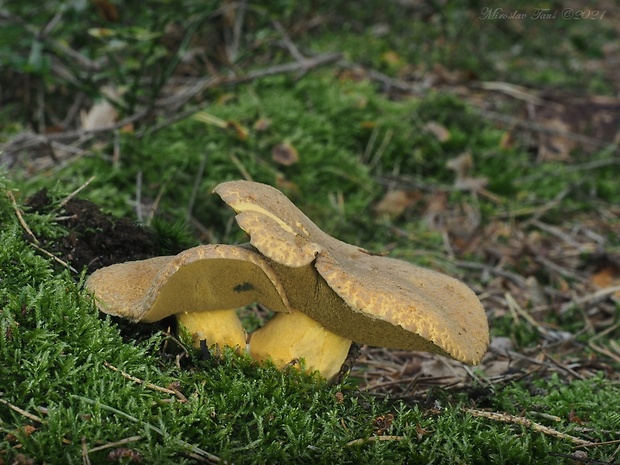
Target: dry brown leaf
<point x="242" y="131"/>
<point x="555" y="147"/>
<point x="284" y="154"/>
<point x="462" y="166"/>
<point x="441" y="133"/>
<point x="106" y="10"/>
<point x="442" y="368"/>
<point x="382" y="424"/>
<point x="607" y="276"/>
<point x="569" y="122"/>
<point x="262" y="124"/>
<point x="391" y="58"/>
<point x="102" y="114"/>
<point x="395" y="202"/>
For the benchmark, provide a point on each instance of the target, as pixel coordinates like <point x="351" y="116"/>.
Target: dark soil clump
<point x="95" y="239"/>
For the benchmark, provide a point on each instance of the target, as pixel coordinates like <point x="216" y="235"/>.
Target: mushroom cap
<point x="203" y="278"/>
<point x="376" y="300"/>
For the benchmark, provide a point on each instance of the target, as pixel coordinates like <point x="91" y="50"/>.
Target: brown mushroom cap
<point x="372" y="300"/>
<point x="203" y="278"/>
<point x="202" y="286"/>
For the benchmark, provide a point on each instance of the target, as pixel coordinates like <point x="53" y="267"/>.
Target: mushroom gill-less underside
<point x="202" y="286"/>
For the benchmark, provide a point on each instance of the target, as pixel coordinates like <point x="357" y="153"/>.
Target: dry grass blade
<point x="506" y="418"/>
<point x="176" y="393"/>
<point x="122" y="442"/>
<point x="22" y="411"/>
<point x="20" y="218"/>
<point x="196" y="452"/>
<point x="357" y="442"/>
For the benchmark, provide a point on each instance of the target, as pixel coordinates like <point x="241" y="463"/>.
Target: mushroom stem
<point x="216" y="327"/>
<point x="288" y="337"/>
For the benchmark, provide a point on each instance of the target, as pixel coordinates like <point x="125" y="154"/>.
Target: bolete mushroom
<point x="341" y="293"/>
<point x="202" y="286"/>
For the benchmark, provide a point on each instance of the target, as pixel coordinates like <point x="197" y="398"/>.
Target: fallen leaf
<point x="391" y="58"/>
<point x="106" y="10"/>
<point x="262" y="124"/>
<point x="284" y="154"/>
<point x="564" y="118"/>
<point x="396" y="202"/>
<point x="242" y="131"/>
<point x="607" y="276"/>
<point x="461" y="165"/>
<point x="382" y="424"/>
<point x="368" y="124"/>
<point x="102" y="114"/>
<point x="441" y="133"/>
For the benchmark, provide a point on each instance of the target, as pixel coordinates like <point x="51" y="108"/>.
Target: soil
<point x="95" y="239"/>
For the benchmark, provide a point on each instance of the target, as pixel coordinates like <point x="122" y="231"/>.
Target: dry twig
<point x="176" y="393"/>
<point x="22" y="412"/>
<point x="20" y="218"/>
<point x="506" y="418"/>
<point x="357" y="442"/>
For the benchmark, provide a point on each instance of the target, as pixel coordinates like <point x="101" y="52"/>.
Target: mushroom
<point x="341" y="293"/>
<point x="202" y="286"/>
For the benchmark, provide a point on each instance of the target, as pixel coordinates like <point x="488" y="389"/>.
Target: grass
<point x="59" y="399"/>
<point x="54" y="347"/>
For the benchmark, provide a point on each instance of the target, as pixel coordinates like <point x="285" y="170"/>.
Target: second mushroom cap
<point x="387" y="302"/>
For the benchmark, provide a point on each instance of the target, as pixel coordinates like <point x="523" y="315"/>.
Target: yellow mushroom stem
<point x="217" y="327"/>
<point x="288" y="337"/>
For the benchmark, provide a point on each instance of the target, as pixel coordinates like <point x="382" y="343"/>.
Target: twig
<point x="233" y="50"/>
<point x="148" y="385"/>
<point x="387" y="81"/>
<point x="357" y="442"/>
<point x="181" y="98"/>
<point x="109" y="445"/>
<point x="593" y="298"/>
<point x="85" y="457"/>
<point x="604" y="351"/>
<point x="514" y="306"/>
<point x="35" y="241"/>
<point x="513" y="121"/>
<point x="558" y="233"/>
<point x="139" y="196"/>
<point x="517" y="92"/>
<point x="196" y="451"/>
<point x="55" y="258"/>
<point x="76" y="192"/>
<point x="514" y="277"/>
<point x="85" y="62"/>
<point x="23" y="412"/>
<point x="602" y="443"/>
<point x="506" y="418"/>
<point x="288" y="43"/>
<point x="20" y="218"/>
<point x="23" y="141"/>
<point x="244" y="172"/>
